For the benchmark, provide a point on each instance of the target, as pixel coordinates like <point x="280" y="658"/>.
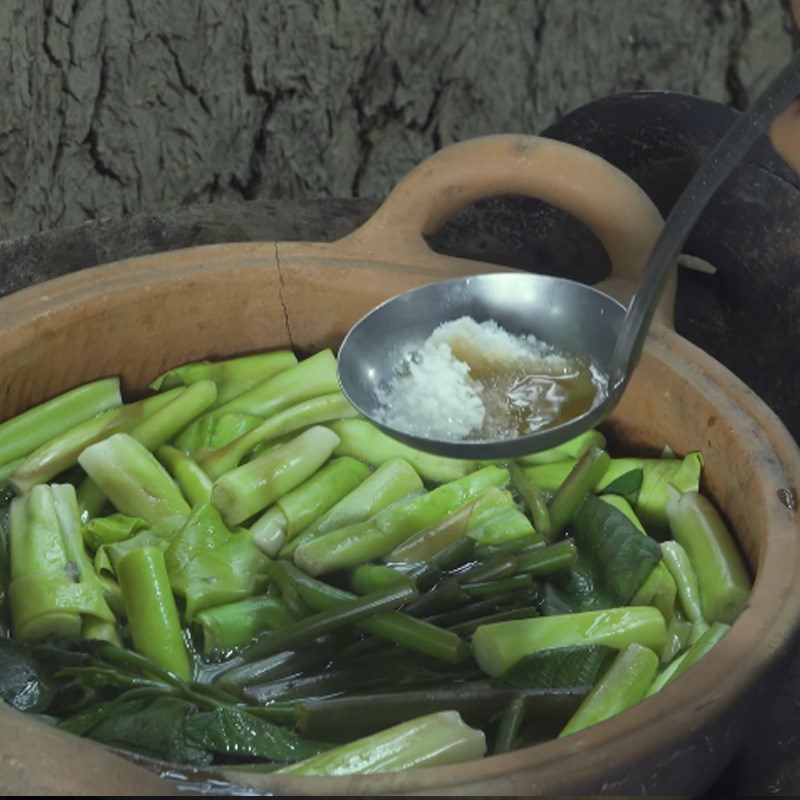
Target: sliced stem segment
<point x="625" y="684"/>
<point x="362" y="440"/>
<point x="310" y="378"/>
<point x="393" y="481"/>
<point x="22" y="434"/>
<point x="316" y="411"/>
<point x="152" y="614"/>
<point x="499" y="646"/>
<point x="249" y="489"/>
<point x="362" y="542"/>
<point x="129" y="475"/>
<point x="392" y="626"/>
<point x="62" y="452"/>
<point x="433" y="740"/>
<point x="724" y="583"/>
<point x="583" y="478"/>
<point x="194" y="483"/>
<point x="234" y="625"/>
<point x="343" y="614"/>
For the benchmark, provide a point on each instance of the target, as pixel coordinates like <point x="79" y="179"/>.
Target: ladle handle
<point x="601" y="196"/>
<point x="722" y="160"/>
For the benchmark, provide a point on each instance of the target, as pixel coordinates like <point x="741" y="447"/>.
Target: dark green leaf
<point x="151" y="726"/>
<point x="559" y="668"/>
<point x="627" y="484"/>
<point x="105" y="677"/>
<point x="25" y="682"/>
<point x="576" y="589"/>
<point x="620" y="556"/>
<point x="231" y="732"/>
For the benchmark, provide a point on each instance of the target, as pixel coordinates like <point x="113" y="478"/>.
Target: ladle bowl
<point x="567" y="315"/>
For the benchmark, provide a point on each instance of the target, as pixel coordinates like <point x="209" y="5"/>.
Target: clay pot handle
<point x="615" y="208"/>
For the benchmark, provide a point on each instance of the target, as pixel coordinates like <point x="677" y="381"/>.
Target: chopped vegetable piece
<point x="393" y="481"/>
<point x="133" y="480"/>
<point x="688" y="589"/>
<point x="152" y="615"/>
<point x="62" y="452"/>
<point x="364" y="441"/>
<point x="362" y="542"/>
<point x="499" y="646"/>
<point x="569" y="496"/>
<point x="194" y="483"/>
<point x="234" y="625"/>
<point x="326" y="408"/>
<point x="312" y="377"/>
<point x="624" y="685"/>
<point x="724" y="583"/>
<point x="433" y="740"/>
<point x="22" y="434"/>
<point x="248" y="489"/>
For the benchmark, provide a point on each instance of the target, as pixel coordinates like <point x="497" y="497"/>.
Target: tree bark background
<point x="115" y="106"/>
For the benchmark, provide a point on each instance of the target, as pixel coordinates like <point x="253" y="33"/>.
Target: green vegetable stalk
<point x="392" y="626"/>
<point x="153" y="432"/>
<point x="665" y="676"/>
<point x="316" y="411"/>
<point x="366" y="541"/>
<point x="499" y="646"/>
<point x="548" y="477"/>
<point x="569" y="451"/>
<point x="495" y="519"/>
<point x="393" y="481"/>
<point x="248" y="489"/>
<point x="232" y="377"/>
<point x="534" y="498"/>
<point x="297" y="509"/>
<point x="624" y="685"/>
<point x="427" y="544"/>
<point x="310" y="378"/>
<point x="152" y="615"/>
<point x="62" y="451"/>
<point x="194" y="483"/>
<point x="700" y="648"/>
<point x="699" y="529"/>
<point x="364" y="441"/>
<point x="21" y="435"/>
<point x="209" y="565"/>
<point x="209" y="433"/>
<point x="233" y="625"/>
<point x="658" y="475"/>
<point x="434" y="740"/>
<point x="129" y="475"/>
<point x="687" y="587"/>
<point x="370" y="578"/>
<point x="53" y="586"/>
<point x="342" y="718"/>
<point x="98" y="630"/>
<point x="342" y="615"/>
<point x="582" y="479"/>
<point x="509" y="726"/>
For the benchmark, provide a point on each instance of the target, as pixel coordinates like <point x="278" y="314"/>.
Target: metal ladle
<point x="573" y="317"/>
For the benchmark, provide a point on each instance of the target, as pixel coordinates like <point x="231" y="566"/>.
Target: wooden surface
<point x="746" y="315"/>
<point x="118" y="106"/>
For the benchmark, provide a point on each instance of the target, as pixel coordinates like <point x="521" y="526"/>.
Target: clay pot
<point x="139" y="317"/>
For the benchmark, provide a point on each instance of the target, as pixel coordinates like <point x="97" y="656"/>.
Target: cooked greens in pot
<point x="238" y="570"/>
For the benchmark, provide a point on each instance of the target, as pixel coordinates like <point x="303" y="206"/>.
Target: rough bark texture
<point x="114" y="106"/>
